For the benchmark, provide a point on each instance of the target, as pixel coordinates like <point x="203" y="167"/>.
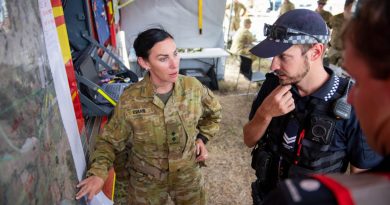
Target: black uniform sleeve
<point x="359" y="153"/>
<point x="270" y="83"/>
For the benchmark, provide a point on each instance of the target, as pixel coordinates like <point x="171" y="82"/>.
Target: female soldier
<point x="167" y="119"/>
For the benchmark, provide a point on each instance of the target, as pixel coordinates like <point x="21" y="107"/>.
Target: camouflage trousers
<point x="235" y="25"/>
<point x="184" y="187"/>
<point x="121" y="193"/>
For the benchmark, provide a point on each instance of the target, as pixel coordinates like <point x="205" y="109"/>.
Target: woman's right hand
<point x="91" y="186"/>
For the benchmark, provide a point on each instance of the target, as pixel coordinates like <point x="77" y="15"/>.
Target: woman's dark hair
<point x="369" y="32"/>
<point x="146" y="40"/>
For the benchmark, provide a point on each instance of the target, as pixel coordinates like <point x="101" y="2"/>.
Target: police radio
<point x="342" y="109"/>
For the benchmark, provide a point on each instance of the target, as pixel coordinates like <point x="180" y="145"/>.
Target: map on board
<point x="35" y="158"/>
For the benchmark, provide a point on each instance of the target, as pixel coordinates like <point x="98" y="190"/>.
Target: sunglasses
<point x="282" y="33"/>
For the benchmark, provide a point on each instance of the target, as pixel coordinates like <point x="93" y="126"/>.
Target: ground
<point x="228" y="174"/>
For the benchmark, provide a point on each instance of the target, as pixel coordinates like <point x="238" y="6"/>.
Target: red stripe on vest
<point x="342" y="194"/>
<point x="301" y="136"/>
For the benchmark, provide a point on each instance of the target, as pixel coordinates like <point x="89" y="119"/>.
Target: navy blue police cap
<point x="298" y="26"/>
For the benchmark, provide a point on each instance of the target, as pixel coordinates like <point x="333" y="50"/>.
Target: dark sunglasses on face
<point x="282" y="33"/>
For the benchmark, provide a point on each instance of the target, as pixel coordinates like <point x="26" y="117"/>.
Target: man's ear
<point x="143" y="63"/>
<point x="317" y="51"/>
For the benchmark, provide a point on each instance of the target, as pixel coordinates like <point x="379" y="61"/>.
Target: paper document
<point x="100" y="199"/>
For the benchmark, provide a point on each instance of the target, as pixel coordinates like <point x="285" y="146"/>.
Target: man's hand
<point x="91" y="186"/>
<point x="201" y="151"/>
<point x="278" y="102"/>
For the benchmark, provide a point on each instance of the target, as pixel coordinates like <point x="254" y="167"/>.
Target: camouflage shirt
<point x="242" y="42"/>
<point x="336" y="23"/>
<point x="326" y="15"/>
<point x="286" y="6"/>
<point x="162" y="137"/>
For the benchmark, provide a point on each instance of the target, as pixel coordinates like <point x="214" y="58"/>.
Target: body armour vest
<point x="317" y="126"/>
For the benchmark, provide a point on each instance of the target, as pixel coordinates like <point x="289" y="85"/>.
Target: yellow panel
<point x="64" y="42"/>
<point x="57" y="11"/>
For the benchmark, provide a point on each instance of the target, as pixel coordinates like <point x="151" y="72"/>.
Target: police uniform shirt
<point x="384" y="166"/>
<point x="347" y="137"/>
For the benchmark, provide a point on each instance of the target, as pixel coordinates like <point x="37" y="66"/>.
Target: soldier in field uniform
<point x="326" y="15"/>
<point x="239" y="10"/>
<point x="162" y="123"/>
<point x="336" y="44"/>
<point x="286" y="6"/>
<point x="243" y="42"/>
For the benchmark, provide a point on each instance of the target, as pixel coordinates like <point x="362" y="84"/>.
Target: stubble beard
<point x="297" y="78"/>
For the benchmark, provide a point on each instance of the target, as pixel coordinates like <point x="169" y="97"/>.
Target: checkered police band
<point x="304" y="39"/>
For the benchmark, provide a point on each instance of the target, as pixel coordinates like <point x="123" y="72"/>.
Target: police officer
<point x="336" y="44"/>
<point x="239" y="10"/>
<point x="166" y="119"/>
<point x="286" y="6"/>
<point x="326" y="15"/>
<point x="294" y="120"/>
<point x="369" y="64"/>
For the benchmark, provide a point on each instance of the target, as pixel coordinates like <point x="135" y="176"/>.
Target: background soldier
<point x="326" y="15"/>
<point x="243" y="42"/>
<point x="286" y="6"/>
<point x="238" y="11"/>
<point x="243" y="39"/>
<point x="336" y="44"/>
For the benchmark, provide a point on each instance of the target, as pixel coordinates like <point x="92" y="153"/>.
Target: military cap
<point x="247" y="21"/>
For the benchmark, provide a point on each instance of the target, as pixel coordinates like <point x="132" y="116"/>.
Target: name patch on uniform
<point x="141" y="111"/>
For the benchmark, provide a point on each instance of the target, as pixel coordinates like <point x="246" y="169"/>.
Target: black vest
<point x="316" y="131"/>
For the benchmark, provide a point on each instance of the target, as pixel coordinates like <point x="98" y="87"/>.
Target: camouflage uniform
<point x="161" y="141"/>
<point x="286" y="6"/>
<point x="326" y="15"/>
<point x="122" y="179"/>
<point x="336" y="44"/>
<point x="236" y="19"/>
<point x="242" y="42"/>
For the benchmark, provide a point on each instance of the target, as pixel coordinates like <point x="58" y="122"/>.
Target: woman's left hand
<point x="201" y="151"/>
